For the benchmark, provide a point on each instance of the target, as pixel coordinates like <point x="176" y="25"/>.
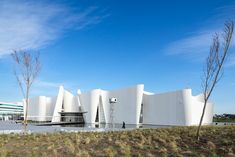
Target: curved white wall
<point x="175" y="108"/>
<point x="163" y="109"/>
<point x="58" y="105"/>
<point x="126" y="109"/>
<point x="172" y="108"/>
<point x="36" y="108"/>
<point x="50" y="105"/>
<point x="128" y="104"/>
<point x="90" y="101"/>
<point x="196" y="110"/>
<point x="106" y="106"/>
<point x="70" y="102"/>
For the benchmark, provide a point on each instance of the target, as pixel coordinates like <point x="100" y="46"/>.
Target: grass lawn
<point x="178" y="141"/>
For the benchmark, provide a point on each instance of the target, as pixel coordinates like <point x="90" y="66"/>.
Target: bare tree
<point x="26" y="70"/>
<point x="213" y="71"/>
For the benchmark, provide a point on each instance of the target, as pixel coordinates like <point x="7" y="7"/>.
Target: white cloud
<point x="34" y="24"/>
<point x="197" y="45"/>
<point x="46" y="88"/>
<point x="45" y="84"/>
<point x="194" y="46"/>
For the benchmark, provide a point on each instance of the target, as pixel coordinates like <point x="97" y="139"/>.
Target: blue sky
<point x="113" y="44"/>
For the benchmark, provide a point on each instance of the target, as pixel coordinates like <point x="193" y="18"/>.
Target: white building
<point x="11" y="111"/>
<point x="132" y="105"/>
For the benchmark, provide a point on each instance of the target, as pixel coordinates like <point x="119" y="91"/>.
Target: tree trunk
<point x="200" y="124"/>
<point x="26" y="112"/>
<point x="26" y="109"/>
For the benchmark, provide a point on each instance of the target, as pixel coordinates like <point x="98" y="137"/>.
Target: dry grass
<point x="178" y="141"/>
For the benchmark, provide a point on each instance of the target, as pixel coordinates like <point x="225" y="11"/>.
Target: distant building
<point x="229" y="116"/>
<point x="10" y="111"/>
<point x="130" y="105"/>
<point x="225" y="116"/>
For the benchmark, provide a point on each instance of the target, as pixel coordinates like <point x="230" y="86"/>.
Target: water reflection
<point x="110" y="126"/>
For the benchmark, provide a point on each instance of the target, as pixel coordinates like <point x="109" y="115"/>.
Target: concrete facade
<point x="133" y="106"/>
<point x="11" y="111"/>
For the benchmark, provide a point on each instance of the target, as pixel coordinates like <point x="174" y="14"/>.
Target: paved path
<point x="8" y="127"/>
